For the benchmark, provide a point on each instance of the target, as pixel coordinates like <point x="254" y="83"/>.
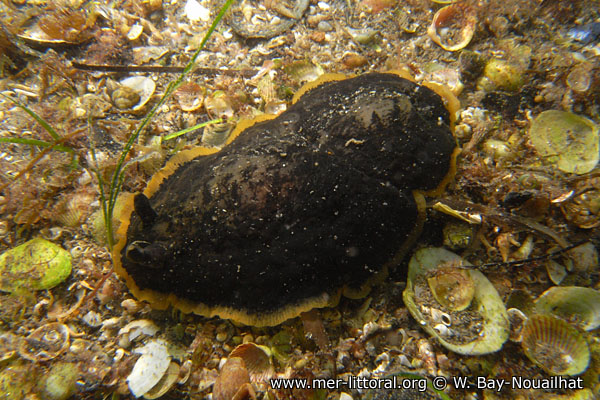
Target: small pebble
<point x="4" y="224"/>
<point x="300" y="363"/>
<point x="324" y="26"/>
<point x="313" y="20"/>
<point x="323" y="6"/>
<point x="124" y="341"/>
<point x="221" y="337"/>
<point x="317" y="36"/>
<point x="353" y="60"/>
<point x="76" y="251"/>
<point x="93" y="319"/>
<point x="261" y="339"/>
<point x="236" y="340"/>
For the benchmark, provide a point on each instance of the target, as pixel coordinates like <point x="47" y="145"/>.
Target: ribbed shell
<point x="555" y="346"/>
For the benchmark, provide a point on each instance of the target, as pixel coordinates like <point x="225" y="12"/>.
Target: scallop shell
<point x="34" y="265"/>
<point x="580" y="78"/>
<point x="46" y="342"/>
<point x="577" y="305"/>
<point x="487" y="304"/>
<point x="257" y="360"/>
<point x="454" y="16"/>
<point x="555" y="346"/>
<point x="303" y="71"/>
<point x="253" y="22"/>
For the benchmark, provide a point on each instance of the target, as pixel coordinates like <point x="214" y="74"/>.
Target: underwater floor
<point x="198" y="200"/>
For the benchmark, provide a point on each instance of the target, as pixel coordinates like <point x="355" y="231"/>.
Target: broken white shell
<point x="195" y="11"/>
<point x="149" y="368"/>
<point x="139" y="327"/>
<point x="135" y="32"/>
<point x="165" y="383"/>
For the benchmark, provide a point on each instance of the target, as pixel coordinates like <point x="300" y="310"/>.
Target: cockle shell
<point x="554" y="345"/>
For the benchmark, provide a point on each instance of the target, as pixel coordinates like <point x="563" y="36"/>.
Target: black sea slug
<point x="296" y="210"/>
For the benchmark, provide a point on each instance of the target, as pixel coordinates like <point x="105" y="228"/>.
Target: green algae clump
<point x="35" y="265"/>
<point x="61" y="381"/>
<point x="501" y="75"/>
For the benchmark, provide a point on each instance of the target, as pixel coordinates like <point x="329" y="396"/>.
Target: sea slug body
<point x="296" y="210"/>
